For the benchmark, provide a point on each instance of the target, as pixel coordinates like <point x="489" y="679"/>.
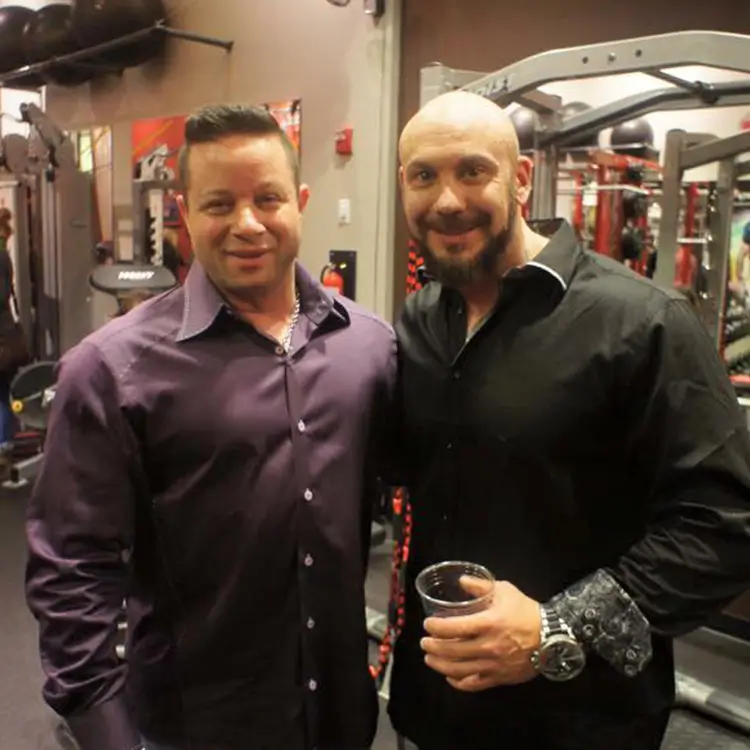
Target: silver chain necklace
<point x="286" y="343"/>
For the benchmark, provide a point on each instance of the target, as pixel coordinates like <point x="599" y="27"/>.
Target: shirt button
<point x="312" y="685"/>
<point x="310" y="623"/>
<point x="308" y="494"/>
<point x="301" y="426"/>
<point x="456" y="374"/>
<point x="279" y="350"/>
<point x="308" y="560"/>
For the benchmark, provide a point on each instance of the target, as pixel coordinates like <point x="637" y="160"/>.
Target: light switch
<point x="345" y="211"/>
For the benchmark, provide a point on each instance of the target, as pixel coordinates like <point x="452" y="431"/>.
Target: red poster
<point x="155" y="145"/>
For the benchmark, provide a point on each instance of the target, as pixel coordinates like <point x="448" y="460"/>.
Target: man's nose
<point x="248" y="223"/>
<point x="449" y="201"/>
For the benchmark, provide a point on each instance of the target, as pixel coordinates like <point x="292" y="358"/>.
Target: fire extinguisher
<point x="331" y="277"/>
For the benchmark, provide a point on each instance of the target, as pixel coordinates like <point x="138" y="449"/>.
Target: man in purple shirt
<point x="220" y="438"/>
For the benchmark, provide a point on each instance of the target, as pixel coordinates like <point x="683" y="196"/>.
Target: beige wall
<point x="341" y="63"/>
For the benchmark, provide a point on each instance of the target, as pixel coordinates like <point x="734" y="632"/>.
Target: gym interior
<point x="638" y="123"/>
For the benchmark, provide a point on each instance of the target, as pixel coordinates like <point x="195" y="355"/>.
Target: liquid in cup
<point x="439" y="587"/>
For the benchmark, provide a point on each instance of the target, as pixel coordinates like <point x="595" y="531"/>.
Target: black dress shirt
<point x="586" y="445"/>
<point x="238" y="479"/>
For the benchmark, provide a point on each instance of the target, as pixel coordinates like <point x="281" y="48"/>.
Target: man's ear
<point x="304" y="196"/>
<point x="524" y="176"/>
<point x="182" y="207"/>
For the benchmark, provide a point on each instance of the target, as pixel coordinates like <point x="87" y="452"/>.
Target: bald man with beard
<point x="569" y="426"/>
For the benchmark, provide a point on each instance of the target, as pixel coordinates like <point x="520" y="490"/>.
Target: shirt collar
<point x="556" y="262"/>
<point x="203" y="303"/>
<point x="560" y="256"/>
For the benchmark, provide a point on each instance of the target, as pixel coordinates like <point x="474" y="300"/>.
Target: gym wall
<point x="338" y="61"/>
<point x="492" y="35"/>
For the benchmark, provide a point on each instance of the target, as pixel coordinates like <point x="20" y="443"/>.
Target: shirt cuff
<point x="607" y="621"/>
<point x="105" y="727"/>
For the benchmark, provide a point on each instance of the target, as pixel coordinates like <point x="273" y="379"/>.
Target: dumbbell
<point x="634" y="205"/>
<point x="634" y="174"/>
<point x="631" y="243"/>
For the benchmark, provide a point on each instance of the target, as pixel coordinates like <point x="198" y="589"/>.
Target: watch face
<point x="561" y="658"/>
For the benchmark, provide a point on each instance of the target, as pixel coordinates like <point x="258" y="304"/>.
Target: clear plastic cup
<point x="439" y="587"/>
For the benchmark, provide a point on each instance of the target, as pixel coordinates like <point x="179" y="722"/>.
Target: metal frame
<point x="142" y="190"/>
<point x="23" y="472"/>
<point x="649" y="54"/>
<point x="686" y="151"/>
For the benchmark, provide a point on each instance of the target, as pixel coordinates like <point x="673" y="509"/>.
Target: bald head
<point x="462" y="180"/>
<point x="470" y="115"/>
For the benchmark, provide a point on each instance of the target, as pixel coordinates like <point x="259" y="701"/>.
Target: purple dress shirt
<point x="223" y="487"/>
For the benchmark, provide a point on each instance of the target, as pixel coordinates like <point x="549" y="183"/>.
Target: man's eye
<point x="218" y="207"/>
<point x="472" y="172"/>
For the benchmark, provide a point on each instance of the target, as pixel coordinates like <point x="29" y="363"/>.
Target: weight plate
<point x="16" y="154"/>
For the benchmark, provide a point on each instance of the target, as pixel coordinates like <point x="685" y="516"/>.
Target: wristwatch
<point x="560" y="657"/>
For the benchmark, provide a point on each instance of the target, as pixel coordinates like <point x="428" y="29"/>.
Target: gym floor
<point x="26" y="723"/>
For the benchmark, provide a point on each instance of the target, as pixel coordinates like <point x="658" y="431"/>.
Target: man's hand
<point x="490" y="648"/>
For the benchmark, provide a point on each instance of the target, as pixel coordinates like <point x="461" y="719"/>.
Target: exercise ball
<point x="13" y="20"/>
<point x="525" y="122"/>
<point x="99" y="21"/>
<point x="49" y="34"/>
<point x="636" y="132"/>
<point x="571" y="109"/>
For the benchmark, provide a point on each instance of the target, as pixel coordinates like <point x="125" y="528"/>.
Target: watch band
<point x="553" y="624"/>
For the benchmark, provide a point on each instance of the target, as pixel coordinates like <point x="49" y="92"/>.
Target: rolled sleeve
<point x="79" y="526"/>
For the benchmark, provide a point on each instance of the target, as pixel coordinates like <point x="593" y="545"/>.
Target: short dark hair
<point x="214" y="122"/>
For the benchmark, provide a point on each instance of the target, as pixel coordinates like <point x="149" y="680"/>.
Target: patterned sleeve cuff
<point x="607" y="621"/>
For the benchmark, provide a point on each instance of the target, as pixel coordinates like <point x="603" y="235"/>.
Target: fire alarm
<point x="374" y="8"/>
<point x="344" y="138"/>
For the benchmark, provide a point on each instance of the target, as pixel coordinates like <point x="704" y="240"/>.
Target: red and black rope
<point x="402" y="526"/>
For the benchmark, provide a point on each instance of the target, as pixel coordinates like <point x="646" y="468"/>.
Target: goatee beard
<point x="458" y="272"/>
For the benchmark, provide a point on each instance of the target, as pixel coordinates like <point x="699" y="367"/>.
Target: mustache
<point x="455" y="224"/>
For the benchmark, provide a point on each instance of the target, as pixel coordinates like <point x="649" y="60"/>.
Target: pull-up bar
<point x="649" y="54"/>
